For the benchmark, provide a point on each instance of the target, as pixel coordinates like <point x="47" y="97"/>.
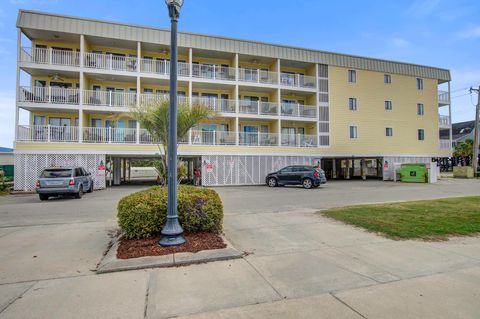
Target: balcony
<point x="298" y="80"/>
<point x="162" y="67"/>
<point x="257" y="76"/>
<point x="114" y="62"/>
<point x="444" y="121"/>
<point x="109" y="98"/>
<point x="213" y="72"/>
<point x="299" y="110"/>
<point x="65" y="57"/>
<point x="445" y="144"/>
<point x="111" y="135"/>
<point x="443" y="98"/>
<point x="218" y="105"/>
<point x="50" y="94"/>
<point x="258" y="107"/>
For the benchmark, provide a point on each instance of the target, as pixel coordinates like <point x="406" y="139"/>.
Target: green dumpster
<point x="414" y="173"/>
<point x="8" y="169"/>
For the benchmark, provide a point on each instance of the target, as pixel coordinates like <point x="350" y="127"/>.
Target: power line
<point x="454" y="97"/>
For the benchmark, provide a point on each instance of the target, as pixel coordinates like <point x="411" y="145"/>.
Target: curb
<point x="110" y="263"/>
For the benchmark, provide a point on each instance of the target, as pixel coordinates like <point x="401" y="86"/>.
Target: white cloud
<point x="400" y="42"/>
<point x="470" y="33"/>
<point x="422" y="8"/>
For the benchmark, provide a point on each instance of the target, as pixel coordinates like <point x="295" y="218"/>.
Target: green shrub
<point x="143" y="214"/>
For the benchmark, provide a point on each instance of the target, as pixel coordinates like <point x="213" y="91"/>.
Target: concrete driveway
<point x="299" y="264"/>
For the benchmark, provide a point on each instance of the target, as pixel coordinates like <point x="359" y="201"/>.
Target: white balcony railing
<point x="258" y="107"/>
<point x="298" y="80"/>
<point x="299" y="140"/>
<point x="214" y="72"/>
<point x="299" y="110"/>
<point x="162" y="67"/>
<point x="445" y="144"/>
<point x="66" y="57"/>
<point x="147" y="98"/>
<point x="444" y="121"/>
<point x="50" y="94"/>
<point x="257" y="76"/>
<point x="109" y="98"/>
<point x="47" y="133"/>
<point x="111" y="135"/>
<point x="218" y="105"/>
<point x="110" y="62"/>
<point x="443" y="97"/>
<point x="199" y="137"/>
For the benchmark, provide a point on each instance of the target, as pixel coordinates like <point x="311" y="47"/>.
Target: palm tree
<point x="153" y="116"/>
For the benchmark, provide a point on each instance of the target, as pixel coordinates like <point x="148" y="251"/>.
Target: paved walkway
<point x="300" y="264"/>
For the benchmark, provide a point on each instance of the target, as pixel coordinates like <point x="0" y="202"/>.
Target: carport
<point x="353" y="167"/>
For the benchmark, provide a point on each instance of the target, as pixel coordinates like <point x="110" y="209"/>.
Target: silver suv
<point x="64" y="181"/>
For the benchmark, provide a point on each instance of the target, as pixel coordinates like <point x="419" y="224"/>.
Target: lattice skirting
<point x="29" y="166"/>
<point x="220" y="170"/>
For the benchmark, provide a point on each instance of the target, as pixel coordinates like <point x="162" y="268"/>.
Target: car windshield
<point x="55" y="173"/>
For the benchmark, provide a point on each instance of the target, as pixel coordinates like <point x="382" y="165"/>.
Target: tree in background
<point x="153" y="116"/>
<point x="464" y="149"/>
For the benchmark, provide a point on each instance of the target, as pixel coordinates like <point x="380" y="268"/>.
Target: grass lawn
<point x="428" y="219"/>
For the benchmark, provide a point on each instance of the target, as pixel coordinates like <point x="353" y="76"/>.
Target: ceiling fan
<point x="55" y="77"/>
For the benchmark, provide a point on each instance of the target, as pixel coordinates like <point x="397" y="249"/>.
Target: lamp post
<point x="172" y="231"/>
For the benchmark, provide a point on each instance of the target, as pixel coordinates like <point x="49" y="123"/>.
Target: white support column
<point x="237" y="99"/>
<point x="279" y="99"/>
<point x="190" y="61"/>
<point x="17" y="95"/>
<point x="237" y="131"/>
<point x="236" y="65"/>
<point x="139" y="57"/>
<point x="450" y="113"/>
<point x="138" y="106"/>
<point x="81" y="89"/>
<point x="278" y="67"/>
<point x="317" y="107"/>
<point x="279" y="133"/>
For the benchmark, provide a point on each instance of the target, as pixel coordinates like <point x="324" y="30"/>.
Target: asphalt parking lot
<point x="298" y="261"/>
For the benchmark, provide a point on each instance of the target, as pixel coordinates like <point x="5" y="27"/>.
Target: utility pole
<point x="475" y="136"/>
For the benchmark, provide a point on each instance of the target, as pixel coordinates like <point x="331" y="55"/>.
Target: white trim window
<point x="352" y="104"/>
<point x="420" y="109"/>
<point x="353" y="131"/>
<point x="352" y="76"/>
<point x="387" y="79"/>
<point x="388" y="131"/>
<point x="419" y="84"/>
<point x="388" y="105"/>
<point x="421" y="134"/>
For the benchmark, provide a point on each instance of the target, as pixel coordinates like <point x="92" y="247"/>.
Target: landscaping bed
<point x="134" y="248"/>
<point x="429" y="219"/>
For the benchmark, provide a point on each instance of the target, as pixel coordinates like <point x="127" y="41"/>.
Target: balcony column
<point x="82" y="50"/>
<point x="237" y="131"/>
<point x="139" y="57"/>
<point x="137" y="133"/>
<point x="17" y="95"/>
<point x="277" y="69"/>
<point x="279" y="99"/>
<point x="450" y="113"/>
<point x="80" y="126"/>
<point x="81" y="89"/>
<point x="279" y="133"/>
<point x="190" y="62"/>
<point x="236" y="66"/>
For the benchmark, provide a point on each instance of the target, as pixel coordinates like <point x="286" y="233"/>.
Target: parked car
<point x="64" y="181"/>
<point x="308" y="176"/>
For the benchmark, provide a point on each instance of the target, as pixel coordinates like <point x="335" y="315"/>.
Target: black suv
<point x="308" y="176"/>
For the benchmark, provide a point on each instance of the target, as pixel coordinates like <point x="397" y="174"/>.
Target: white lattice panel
<point x="245" y="169"/>
<point x="29" y="166"/>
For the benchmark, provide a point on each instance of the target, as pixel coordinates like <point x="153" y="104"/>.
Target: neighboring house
<point x="462" y="131"/>
<point x="277" y="105"/>
<point x="6" y="161"/>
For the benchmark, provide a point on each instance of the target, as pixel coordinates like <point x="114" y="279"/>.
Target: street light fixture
<point x="172" y="232"/>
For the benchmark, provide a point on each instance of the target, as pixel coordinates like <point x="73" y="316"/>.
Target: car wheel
<point x="80" y="192"/>
<point x="90" y="190"/>
<point x="307" y="183"/>
<point x="272" y="182"/>
<point x="43" y="196"/>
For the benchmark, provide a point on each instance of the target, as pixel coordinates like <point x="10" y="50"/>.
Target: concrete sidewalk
<point x="300" y="264"/>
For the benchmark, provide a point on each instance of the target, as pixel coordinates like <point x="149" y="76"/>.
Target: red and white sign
<point x="101" y="171"/>
<point x="385" y="165"/>
<point x="209" y="167"/>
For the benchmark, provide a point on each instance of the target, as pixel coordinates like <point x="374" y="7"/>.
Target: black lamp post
<point x="172" y="231"/>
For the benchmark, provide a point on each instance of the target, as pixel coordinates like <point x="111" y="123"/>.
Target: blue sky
<point x="441" y="33"/>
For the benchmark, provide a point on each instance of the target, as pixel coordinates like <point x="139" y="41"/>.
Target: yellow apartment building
<point x="275" y="105"/>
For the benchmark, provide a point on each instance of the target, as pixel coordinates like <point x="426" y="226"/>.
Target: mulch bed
<point x="133" y="248"/>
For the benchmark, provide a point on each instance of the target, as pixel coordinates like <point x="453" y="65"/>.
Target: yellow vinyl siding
<point x="371" y="118"/>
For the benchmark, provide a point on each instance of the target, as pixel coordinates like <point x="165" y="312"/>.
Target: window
<point x="420" y="109"/>
<point x="387" y="78"/>
<point x="353" y="132"/>
<point x="352" y="104"/>
<point x="419" y="84"/>
<point x="388" y="131"/>
<point x="421" y="134"/>
<point x="352" y="76"/>
<point x="132" y="124"/>
<point x="388" y="105"/>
